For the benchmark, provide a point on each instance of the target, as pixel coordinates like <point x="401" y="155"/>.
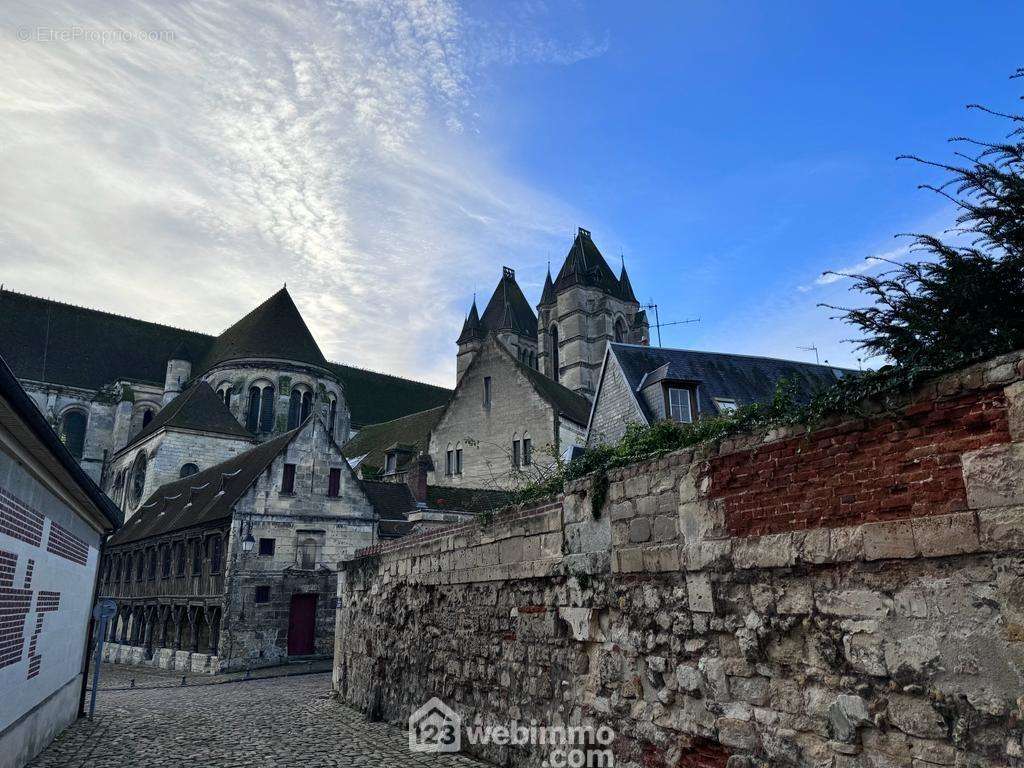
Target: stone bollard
<point x="183" y="680"/>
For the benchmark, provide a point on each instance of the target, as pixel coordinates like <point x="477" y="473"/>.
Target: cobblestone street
<point x="281" y="722"/>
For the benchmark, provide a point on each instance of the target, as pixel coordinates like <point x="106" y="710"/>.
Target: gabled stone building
<point x="235" y="565"/>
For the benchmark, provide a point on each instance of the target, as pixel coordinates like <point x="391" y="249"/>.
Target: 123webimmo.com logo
<point x="435" y="727"/>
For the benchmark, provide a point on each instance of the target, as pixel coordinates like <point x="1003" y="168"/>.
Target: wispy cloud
<point x="183" y="179"/>
<point x="865" y="265"/>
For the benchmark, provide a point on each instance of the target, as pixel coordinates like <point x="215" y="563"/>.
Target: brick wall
<point x="834" y="632"/>
<point x="857" y="472"/>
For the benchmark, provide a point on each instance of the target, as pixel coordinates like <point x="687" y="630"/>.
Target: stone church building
<point x="223" y="452"/>
<point x="525" y="380"/>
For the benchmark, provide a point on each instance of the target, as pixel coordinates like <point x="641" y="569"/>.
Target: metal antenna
<point x="813" y="349"/>
<point x="659" y="325"/>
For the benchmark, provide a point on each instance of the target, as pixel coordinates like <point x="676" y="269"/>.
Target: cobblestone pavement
<point x="285" y="722"/>
<point x="121" y="676"/>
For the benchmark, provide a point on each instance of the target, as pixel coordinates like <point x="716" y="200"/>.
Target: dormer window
<point x="725" y="404"/>
<point x="391" y="463"/>
<point x="679" y="404"/>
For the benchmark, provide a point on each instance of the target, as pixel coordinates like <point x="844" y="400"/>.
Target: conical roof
<point x="584" y="265"/>
<point x="547" y="296"/>
<point x="625" y="287"/>
<point x="471" y="329"/>
<point x="274" y="330"/>
<point x="508" y="308"/>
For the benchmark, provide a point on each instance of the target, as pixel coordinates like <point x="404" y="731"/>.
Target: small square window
<point x="262" y="594"/>
<point x="267" y="547"/>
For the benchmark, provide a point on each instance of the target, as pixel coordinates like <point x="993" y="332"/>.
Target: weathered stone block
<point x="661" y="558"/>
<point x="846" y="715"/>
<point x="772" y="551"/>
<point x="638" y="485"/>
<point x="992" y="476"/>
<point x="629" y="560"/>
<point x="889" y="540"/>
<point x="855" y="603"/>
<point x="916" y="717"/>
<point x="944" y="535"/>
<point x="700" y="592"/>
<point x="1001" y="529"/>
<point x="846" y="544"/>
<point x="639" y="530"/>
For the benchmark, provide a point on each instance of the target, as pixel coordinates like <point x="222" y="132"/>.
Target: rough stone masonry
<point x="850" y="596"/>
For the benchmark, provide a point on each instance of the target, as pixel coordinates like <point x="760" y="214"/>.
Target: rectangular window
<point x="152" y="564"/>
<point x="165" y="569"/>
<point x="197" y="557"/>
<point x="527" y="451"/>
<point x="215" y="553"/>
<point x="487" y="391"/>
<point x="334" y="482"/>
<point x="262" y="595"/>
<point x="181" y="558"/>
<point x="725" y="404"/>
<point x="515" y="453"/>
<point x="449" y="462"/>
<point x="266" y="547"/>
<point x="679" y="404"/>
<point x="458" y="461"/>
<point x="391" y="463"/>
<point x="288" y="479"/>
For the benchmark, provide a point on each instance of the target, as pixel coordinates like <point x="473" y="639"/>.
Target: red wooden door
<point x="301" y="625"/>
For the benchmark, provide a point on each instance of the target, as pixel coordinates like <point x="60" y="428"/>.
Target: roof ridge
<point x="402" y="418"/>
<point x="389" y="376"/>
<point x="104" y="312"/>
<point x="730" y="354"/>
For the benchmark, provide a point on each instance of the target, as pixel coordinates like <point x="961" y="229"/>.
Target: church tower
<point x="580" y="311"/>
<point x="509" y="316"/>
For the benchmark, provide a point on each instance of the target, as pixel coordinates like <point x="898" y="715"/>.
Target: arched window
<point x="260" y="412"/>
<point x="224" y="393"/>
<point x="137" y="480"/>
<point x="300" y="404"/>
<point x="72" y="432"/>
<point x="458" y="458"/>
<point x="555" y="362"/>
<point x="147" y="416"/>
<point x="527" y="450"/>
<point x="333" y="418"/>
<point x="449" y="461"/>
<point x="516" y="457"/>
<point x="188" y="469"/>
<point x="620" y="330"/>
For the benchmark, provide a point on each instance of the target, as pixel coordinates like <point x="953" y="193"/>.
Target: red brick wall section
<point x="704" y="754"/>
<point x="889" y="469"/>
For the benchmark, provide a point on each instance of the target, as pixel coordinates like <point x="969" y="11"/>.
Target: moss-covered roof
<point x="374" y="440"/>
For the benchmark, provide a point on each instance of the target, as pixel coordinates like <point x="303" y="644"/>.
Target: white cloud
<point x="865" y="265"/>
<point x="318" y="144"/>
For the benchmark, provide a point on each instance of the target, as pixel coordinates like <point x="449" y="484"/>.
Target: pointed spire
<point x="625" y="287"/>
<point x="547" y="296"/>
<point x="471" y="329"/>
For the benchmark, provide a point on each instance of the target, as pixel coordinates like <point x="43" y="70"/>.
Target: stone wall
<point x="847" y="597"/>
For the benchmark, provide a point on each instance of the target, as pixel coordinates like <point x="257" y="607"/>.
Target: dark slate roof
<point x="392" y="502"/>
<point x="197" y="408"/>
<point x="743" y="378"/>
<point x="584" y="265"/>
<point x="203" y="497"/>
<point x="626" y="287"/>
<point x="566" y="402"/>
<point x="466" y="499"/>
<point x="273" y="330"/>
<point x="508" y="308"/>
<point x="547" y="296"/>
<point x="45" y="340"/>
<point x="30" y="427"/>
<point x="471" y="329"/>
<point x="373" y="440"/>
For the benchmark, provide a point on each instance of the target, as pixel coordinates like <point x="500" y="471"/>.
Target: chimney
<point x="416" y="476"/>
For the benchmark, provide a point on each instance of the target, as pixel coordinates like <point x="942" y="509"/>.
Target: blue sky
<point x="386" y="159"/>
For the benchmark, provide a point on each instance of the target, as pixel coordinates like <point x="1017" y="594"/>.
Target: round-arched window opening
<point x="137" y="483"/>
<point x="188" y="469"/>
<point x="147" y="416"/>
<point x="72" y="432"/>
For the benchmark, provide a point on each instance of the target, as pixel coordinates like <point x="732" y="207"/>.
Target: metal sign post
<point x="103" y="611"/>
